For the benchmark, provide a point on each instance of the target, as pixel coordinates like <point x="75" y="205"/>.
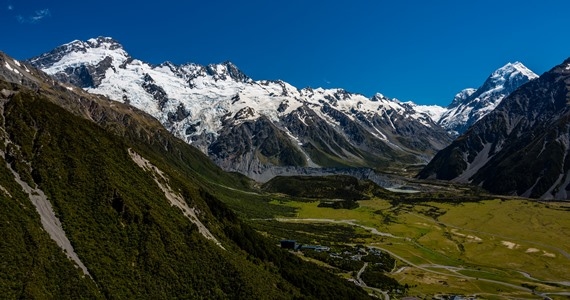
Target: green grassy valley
<point x="494" y="249"/>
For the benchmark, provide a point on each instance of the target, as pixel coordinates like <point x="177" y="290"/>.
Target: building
<point x="293" y="245"/>
<point x="316" y="248"/>
<point x="290" y="244"/>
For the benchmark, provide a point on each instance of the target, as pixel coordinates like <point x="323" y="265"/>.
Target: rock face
<point x="253" y="126"/>
<point x="470" y="105"/>
<point x="520" y="148"/>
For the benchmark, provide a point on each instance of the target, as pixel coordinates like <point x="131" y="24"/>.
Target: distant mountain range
<point x="521" y="147"/>
<point x="263" y="128"/>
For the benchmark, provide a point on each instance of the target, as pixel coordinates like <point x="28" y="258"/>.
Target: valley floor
<point x="495" y="249"/>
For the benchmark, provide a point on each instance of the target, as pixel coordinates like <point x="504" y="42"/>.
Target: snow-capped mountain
<point x="253" y="126"/>
<point x="521" y="147"/>
<point x="470" y="105"/>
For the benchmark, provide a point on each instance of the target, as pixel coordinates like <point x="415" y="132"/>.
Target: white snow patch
<point x="532" y="250"/>
<point x="17" y="63"/>
<point x="433" y="111"/>
<point x="14" y="70"/>
<point x="8" y="66"/>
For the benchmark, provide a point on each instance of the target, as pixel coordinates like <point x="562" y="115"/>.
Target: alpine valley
<point x="264" y="128"/>
<point x="125" y="180"/>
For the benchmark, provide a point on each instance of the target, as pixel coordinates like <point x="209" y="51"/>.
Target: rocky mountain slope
<point x="254" y="127"/>
<point x="470" y="105"/>
<point x="99" y="201"/>
<point x="520" y="148"/>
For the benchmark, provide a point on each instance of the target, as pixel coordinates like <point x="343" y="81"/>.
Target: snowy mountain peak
<point x="71" y="56"/>
<point x="378" y="97"/>
<point x="512" y="71"/>
<point x="104" y="42"/>
<point x="226" y="69"/>
<point x="462" y="96"/>
<point x="471" y="105"/>
<point x="107" y="43"/>
<point x="504" y="81"/>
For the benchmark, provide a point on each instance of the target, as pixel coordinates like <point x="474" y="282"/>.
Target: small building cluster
<point x="293" y="245"/>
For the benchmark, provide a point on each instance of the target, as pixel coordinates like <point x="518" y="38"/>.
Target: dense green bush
<point x="381" y="281"/>
<point x="327" y="187"/>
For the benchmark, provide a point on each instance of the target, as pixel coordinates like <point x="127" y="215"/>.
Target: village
<point x="365" y="266"/>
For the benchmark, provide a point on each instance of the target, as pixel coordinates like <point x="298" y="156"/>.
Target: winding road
<point x="361" y="283"/>
<point x="348" y="222"/>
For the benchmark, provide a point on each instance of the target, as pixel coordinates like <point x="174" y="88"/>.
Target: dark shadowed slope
<point x="521" y="148"/>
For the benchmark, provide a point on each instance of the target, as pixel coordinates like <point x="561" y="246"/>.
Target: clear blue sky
<point x="424" y="51"/>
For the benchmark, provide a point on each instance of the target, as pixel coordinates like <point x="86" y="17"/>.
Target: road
<point x="361" y="283"/>
<point x="449" y="268"/>
<point x="348" y="222"/>
<point x="527" y="275"/>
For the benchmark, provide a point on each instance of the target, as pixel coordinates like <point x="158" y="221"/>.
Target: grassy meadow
<point x="496" y="249"/>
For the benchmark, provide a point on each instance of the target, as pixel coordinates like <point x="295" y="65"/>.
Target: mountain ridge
<point x="200" y="104"/>
<point x="521" y="147"/>
<point x="260" y="127"/>
<point x="470" y="105"/>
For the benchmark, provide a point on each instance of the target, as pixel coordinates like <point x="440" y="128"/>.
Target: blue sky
<point x="424" y="51"/>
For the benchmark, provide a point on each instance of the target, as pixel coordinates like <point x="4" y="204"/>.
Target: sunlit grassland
<point x="311" y="210"/>
<point x="488" y="241"/>
<point x="516" y="235"/>
<point x="428" y="284"/>
<point x="520" y="235"/>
